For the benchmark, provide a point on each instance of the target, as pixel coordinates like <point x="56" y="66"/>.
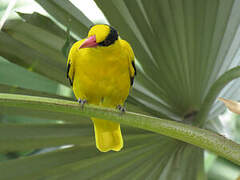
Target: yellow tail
<point x="108" y="135"/>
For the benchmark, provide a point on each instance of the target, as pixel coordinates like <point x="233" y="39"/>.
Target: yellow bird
<point x="101" y="70"/>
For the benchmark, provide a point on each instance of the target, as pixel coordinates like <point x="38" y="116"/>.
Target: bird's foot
<point x="121" y="108"/>
<point x="82" y="102"/>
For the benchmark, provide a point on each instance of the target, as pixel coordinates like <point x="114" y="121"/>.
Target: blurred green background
<point x="33" y="46"/>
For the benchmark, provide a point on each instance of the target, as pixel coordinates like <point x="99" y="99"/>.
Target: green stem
<point x="189" y="134"/>
<point x="214" y="91"/>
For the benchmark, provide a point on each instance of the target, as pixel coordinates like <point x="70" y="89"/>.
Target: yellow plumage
<point x="102" y="75"/>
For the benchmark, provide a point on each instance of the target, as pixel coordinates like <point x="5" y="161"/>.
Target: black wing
<point x="135" y="73"/>
<point x="68" y="70"/>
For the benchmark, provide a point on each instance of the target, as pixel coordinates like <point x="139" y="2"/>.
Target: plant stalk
<point x="199" y="137"/>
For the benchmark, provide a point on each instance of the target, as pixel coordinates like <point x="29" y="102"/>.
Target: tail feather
<point x="108" y="135"/>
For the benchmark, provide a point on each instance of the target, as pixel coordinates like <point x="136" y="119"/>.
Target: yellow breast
<point x="102" y="75"/>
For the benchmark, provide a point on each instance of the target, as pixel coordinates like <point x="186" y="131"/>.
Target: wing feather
<point x="69" y="76"/>
<point x="131" y="59"/>
<point x="71" y="61"/>
<point x="135" y="73"/>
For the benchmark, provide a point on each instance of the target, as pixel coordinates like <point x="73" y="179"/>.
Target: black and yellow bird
<point x="101" y="70"/>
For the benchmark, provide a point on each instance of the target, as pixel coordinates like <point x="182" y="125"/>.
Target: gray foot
<point x="121" y="108"/>
<point x="82" y="102"/>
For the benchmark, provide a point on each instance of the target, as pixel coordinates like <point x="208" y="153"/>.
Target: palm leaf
<point x="68" y="15"/>
<point x="182" y="48"/>
<point x="18" y="90"/>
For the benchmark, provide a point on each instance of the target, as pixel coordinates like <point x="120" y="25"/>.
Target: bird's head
<point x="100" y="35"/>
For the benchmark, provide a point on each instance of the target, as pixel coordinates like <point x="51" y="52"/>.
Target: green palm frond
<point x="187" y="53"/>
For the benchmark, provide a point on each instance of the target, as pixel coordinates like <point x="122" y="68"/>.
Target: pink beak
<point x="89" y="42"/>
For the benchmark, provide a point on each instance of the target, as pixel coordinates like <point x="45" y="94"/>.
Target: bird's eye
<point x="107" y="42"/>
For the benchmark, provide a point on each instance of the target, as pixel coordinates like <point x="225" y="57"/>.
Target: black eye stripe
<point x="111" y="38"/>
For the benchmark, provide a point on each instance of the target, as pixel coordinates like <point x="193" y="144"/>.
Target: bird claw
<point x="82" y="102"/>
<point x="121" y="108"/>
